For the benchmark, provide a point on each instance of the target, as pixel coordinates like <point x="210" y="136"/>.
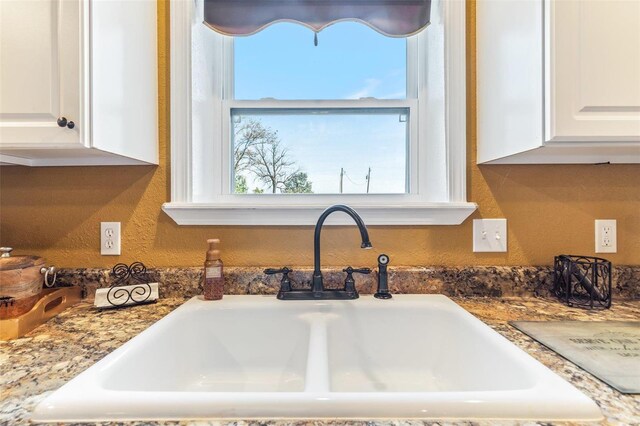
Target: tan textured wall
<point x="55" y="212"/>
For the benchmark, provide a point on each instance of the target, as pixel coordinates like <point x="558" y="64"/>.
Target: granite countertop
<point x="33" y="366"/>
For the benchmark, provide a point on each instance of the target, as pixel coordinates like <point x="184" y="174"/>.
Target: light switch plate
<point x="110" y="238"/>
<point x="490" y="235"/>
<point x="606" y="236"/>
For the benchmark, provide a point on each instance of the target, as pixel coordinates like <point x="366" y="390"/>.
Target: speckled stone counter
<point x="453" y="281"/>
<point x="34" y="366"/>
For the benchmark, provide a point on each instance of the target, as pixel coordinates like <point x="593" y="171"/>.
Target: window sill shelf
<point x="301" y="215"/>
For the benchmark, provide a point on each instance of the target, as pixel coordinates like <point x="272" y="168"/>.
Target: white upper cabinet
<point x="594" y="74"/>
<point x="78" y="82"/>
<point x="40" y="71"/>
<point x="558" y="81"/>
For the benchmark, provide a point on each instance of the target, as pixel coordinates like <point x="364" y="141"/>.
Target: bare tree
<point x="258" y="150"/>
<point x="250" y="134"/>
<point x="270" y="164"/>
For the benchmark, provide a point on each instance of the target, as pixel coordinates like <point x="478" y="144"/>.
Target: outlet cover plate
<point x="110" y="239"/>
<point x="490" y="235"/>
<point x="606" y="236"/>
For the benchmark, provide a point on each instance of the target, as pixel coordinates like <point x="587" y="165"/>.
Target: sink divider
<point x="317" y="374"/>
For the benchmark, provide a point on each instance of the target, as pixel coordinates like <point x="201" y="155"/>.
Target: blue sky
<point x="351" y="61"/>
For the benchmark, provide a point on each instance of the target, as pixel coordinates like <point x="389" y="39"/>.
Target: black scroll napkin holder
<point x="132" y="286"/>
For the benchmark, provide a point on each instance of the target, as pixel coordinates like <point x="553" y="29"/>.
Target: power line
<point x="344" y="174"/>
<point x="351" y="180"/>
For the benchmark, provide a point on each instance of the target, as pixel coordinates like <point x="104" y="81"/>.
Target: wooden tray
<point x="52" y="302"/>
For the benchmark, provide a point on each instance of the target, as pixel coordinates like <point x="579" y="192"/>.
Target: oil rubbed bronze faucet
<point x="317" y="290"/>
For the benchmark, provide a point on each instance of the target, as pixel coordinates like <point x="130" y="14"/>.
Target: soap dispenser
<point x="213" y="274"/>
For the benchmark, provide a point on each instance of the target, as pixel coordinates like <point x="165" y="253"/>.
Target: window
<point x="270" y="129"/>
<point x="351" y="61"/>
<point x="357" y="146"/>
<point x="320" y="150"/>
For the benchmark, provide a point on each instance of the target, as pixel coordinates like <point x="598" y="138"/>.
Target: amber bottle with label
<point x="213" y="273"/>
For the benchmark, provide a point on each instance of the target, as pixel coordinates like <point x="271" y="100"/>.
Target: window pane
<point x="351" y="61"/>
<point x="320" y="151"/>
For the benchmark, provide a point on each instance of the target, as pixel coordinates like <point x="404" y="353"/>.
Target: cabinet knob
<point x="71" y="124"/>
<point x="62" y="121"/>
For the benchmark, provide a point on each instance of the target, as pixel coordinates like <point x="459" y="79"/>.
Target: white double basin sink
<point x="413" y="356"/>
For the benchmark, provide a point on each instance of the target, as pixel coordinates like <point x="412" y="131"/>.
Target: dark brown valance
<point x="394" y="18"/>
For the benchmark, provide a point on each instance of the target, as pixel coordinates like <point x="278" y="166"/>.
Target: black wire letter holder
<point x="583" y="281"/>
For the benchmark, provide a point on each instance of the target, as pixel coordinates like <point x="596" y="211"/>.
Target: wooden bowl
<point x="20" y="283"/>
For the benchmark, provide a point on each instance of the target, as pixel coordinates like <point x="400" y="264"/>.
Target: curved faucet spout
<point x="317" y="285"/>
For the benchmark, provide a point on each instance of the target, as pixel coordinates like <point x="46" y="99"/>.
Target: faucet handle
<point x="349" y="282"/>
<point x="349" y="270"/>
<point x="285" y="282"/>
<point x="273" y="271"/>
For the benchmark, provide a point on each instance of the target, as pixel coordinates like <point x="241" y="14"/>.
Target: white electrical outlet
<point x="110" y="238"/>
<point x="606" y="239"/>
<point x="490" y="235"/>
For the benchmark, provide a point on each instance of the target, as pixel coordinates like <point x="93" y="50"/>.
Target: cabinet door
<point x="40" y="72"/>
<point x="593" y="70"/>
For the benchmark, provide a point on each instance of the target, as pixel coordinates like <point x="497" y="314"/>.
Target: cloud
<point x="395" y="95"/>
<point x="370" y="85"/>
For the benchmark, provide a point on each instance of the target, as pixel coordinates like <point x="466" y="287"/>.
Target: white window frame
<point x="271" y="199"/>
<point x="200" y="133"/>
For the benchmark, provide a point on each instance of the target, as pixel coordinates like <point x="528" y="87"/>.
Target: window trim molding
<point x="398" y="214"/>
<point x="375" y="210"/>
<point x="455" y="68"/>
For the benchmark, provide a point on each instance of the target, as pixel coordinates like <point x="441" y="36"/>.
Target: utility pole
<point x="341" y="176"/>
<point x="368" y="179"/>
